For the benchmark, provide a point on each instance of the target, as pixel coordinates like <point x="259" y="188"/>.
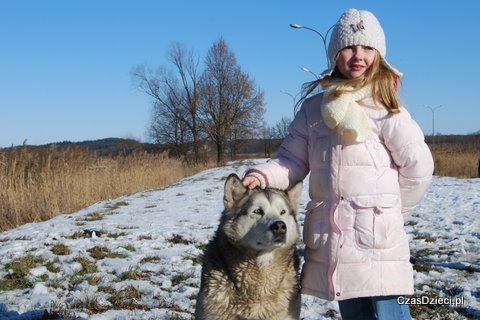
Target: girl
<point x="369" y="167"/>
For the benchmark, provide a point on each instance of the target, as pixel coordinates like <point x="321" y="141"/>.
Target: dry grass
<point x="39" y="184"/>
<point x="456" y="160"/>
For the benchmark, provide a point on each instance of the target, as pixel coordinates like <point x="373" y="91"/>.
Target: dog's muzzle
<point x="279" y="229"/>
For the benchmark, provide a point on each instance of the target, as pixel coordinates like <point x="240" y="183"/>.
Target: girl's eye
<point x="258" y="211"/>
<point x="368" y="48"/>
<point x="283" y="212"/>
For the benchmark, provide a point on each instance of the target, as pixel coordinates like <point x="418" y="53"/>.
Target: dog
<point x="250" y="267"/>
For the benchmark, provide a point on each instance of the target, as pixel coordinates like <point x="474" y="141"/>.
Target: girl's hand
<point x="251" y="182"/>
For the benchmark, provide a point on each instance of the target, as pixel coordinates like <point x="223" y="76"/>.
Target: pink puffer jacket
<point x="360" y="194"/>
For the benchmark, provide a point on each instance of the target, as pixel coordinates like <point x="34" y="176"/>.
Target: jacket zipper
<point x="339" y="200"/>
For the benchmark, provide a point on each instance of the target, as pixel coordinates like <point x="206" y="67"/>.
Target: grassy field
<point x="455" y="155"/>
<point x="459" y="161"/>
<point x="40" y="183"/>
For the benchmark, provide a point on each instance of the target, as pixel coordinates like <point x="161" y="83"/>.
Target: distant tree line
<point x="198" y="105"/>
<point x="472" y="139"/>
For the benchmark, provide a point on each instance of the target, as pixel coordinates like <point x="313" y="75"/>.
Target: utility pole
<point x="433" y="109"/>
<point x="324" y="37"/>
<point x="294" y="100"/>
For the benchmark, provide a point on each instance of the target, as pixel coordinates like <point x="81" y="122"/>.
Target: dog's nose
<point x="278" y="227"/>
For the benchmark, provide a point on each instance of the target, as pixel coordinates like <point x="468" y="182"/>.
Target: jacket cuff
<point x="407" y="212"/>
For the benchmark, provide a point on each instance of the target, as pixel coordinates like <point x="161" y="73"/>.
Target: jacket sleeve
<point x="291" y="162"/>
<point x="406" y="142"/>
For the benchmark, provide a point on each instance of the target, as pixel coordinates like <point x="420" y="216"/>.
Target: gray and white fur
<point x="250" y="267"/>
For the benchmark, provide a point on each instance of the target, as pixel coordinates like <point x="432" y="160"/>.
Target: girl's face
<point x="353" y="61"/>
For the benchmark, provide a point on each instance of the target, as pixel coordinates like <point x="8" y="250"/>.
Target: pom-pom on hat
<point x="356" y="27"/>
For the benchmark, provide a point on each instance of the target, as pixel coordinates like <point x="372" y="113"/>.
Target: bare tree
<point x="281" y="127"/>
<point x="187" y="66"/>
<point x="267" y="135"/>
<point x="231" y="103"/>
<point x="166" y="128"/>
<point x="176" y="99"/>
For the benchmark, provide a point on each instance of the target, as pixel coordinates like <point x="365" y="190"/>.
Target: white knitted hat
<point x="356" y="27"/>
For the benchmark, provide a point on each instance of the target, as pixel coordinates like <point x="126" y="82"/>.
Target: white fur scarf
<point x="345" y="115"/>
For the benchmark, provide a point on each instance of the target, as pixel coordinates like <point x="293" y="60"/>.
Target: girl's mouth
<point x="357" y="67"/>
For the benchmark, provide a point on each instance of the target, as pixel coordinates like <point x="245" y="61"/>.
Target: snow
<point x="154" y="239"/>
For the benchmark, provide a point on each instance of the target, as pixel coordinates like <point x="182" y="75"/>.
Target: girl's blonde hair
<point x="383" y="80"/>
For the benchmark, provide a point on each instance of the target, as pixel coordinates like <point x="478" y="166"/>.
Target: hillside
<point x="137" y="257"/>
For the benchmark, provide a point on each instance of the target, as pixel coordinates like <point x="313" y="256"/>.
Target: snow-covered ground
<point x="145" y="258"/>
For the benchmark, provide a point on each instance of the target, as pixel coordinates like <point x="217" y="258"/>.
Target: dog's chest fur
<point x="261" y="287"/>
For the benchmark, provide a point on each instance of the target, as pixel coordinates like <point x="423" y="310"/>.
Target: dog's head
<point x="260" y="219"/>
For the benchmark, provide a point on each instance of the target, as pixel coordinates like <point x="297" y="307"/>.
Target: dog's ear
<point x="234" y="190"/>
<point x="294" y="193"/>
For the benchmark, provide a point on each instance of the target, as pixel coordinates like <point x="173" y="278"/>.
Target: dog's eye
<point x="283" y="212"/>
<point x="258" y="211"/>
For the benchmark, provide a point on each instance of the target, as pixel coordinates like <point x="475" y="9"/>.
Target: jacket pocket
<point x="316" y="226"/>
<point x="378" y="221"/>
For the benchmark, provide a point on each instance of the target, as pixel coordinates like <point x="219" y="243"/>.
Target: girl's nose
<point x="358" y="52"/>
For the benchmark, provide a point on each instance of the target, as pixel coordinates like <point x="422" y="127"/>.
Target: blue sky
<point x="65" y="65"/>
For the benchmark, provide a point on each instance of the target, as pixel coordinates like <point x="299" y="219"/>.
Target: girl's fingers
<point x="251" y="182"/>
